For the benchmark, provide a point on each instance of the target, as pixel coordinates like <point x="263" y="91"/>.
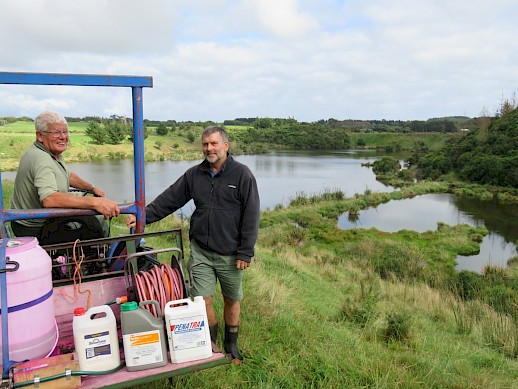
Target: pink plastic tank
<point x="32" y="328"/>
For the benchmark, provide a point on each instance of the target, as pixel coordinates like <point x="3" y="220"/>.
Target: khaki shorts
<point x="206" y="267"/>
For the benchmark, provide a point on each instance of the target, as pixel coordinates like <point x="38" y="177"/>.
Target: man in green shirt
<point x="43" y="179"/>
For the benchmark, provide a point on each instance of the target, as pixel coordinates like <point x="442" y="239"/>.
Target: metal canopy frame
<point x="136" y="83"/>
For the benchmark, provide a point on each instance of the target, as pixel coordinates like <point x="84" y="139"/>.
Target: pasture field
<point x="15" y="138"/>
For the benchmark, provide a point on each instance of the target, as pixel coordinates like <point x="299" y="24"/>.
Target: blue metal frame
<point x="136" y="83"/>
<point x="137" y="207"/>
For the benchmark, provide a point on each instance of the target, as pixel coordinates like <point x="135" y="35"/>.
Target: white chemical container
<point x="187" y="330"/>
<point x="95" y="338"/>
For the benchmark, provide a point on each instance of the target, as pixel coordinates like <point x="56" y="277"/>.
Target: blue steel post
<point x="2" y="218"/>
<point x="138" y="207"/>
<point x="138" y="158"/>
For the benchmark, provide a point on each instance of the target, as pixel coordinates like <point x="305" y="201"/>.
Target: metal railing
<point x="136" y="83"/>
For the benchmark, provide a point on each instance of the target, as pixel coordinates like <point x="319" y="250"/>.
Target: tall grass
<point x="322" y="309"/>
<point x="318" y="314"/>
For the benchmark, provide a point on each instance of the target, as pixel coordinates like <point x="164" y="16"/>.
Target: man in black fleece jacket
<point x="223" y="229"/>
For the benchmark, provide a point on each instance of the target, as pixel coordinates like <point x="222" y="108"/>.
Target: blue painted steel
<point x="74" y="79"/>
<point x="137" y="207"/>
<point x="136" y="83"/>
<point x="4" y="304"/>
<point x="138" y="157"/>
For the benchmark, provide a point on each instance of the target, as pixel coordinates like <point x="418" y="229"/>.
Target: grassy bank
<point x="407" y="141"/>
<point x="328" y="308"/>
<point x="15" y="138"/>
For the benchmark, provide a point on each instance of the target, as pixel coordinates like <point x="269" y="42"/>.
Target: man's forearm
<point x="79" y="183"/>
<point x="64" y="200"/>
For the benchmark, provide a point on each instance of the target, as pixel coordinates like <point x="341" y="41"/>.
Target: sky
<point x="223" y="59"/>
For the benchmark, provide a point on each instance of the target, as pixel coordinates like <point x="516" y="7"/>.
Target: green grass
<point x="19" y="126"/>
<point x="15" y="138"/>
<point x="318" y="314"/>
<point x="405" y="141"/>
<point x="326" y="308"/>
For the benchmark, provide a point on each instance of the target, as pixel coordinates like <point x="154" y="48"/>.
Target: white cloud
<point x="221" y="59"/>
<point x="283" y="18"/>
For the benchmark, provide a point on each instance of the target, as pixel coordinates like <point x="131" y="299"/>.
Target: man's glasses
<point x="57" y="134"/>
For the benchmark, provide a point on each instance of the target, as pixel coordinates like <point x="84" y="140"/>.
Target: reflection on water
<point x="494" y="250"/>
<point x="422" y="213"/>
<point x="281" y="176"/>
<point x="497" y="217"/>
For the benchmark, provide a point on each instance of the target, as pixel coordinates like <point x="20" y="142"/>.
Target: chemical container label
<point x="142" y="348"/>
<point x="188" y="332"/>
<point x="97" y="346"/>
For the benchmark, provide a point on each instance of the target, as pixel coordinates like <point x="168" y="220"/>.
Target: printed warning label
<point x="143" y="348"/>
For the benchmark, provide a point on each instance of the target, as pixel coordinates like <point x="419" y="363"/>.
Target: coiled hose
<point x="161" y="283"/>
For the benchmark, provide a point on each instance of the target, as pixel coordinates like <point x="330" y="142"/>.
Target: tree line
<point x="487" y="156"/>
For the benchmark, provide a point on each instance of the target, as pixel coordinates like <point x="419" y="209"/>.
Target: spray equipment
<point x="161" y="282"/>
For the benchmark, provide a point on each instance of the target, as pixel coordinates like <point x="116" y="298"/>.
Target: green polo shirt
<point x="39" y="175"/>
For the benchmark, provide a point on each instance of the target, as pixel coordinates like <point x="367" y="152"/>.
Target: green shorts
<point x="206" y="267"/>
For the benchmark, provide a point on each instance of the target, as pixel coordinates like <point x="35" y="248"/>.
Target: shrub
<point x="361" y="309"/>
<point x="161" y="129"/>
<point x="397" y="326"/>
<point x="502" y="299"/>
<point x="467" y="284"/>
<point x="386" y="165"/>
<point x="96" y="132"/>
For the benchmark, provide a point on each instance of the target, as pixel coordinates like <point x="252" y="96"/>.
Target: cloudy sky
<point x="224" y="59"/>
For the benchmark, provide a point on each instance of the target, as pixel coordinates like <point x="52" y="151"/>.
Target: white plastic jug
<point x="187" y="330"/>
<point x="95" y="338"/>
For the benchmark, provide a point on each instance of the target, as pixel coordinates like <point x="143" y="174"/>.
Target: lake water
<point x="281" y="176"/>
<point x="422" y="213"/>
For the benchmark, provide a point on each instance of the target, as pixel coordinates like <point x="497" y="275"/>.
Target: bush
<point x="96" y="132"/>
<point x="502" y="299"/>
<point x="397" y="327"/>
<point x="362" y="308"/>
<point x="161" y="129"/>
<point x="467" y="285"/>
<point x="388" y="266"/>
<point x="386" y="165"/>
<point x="116" y="131"/>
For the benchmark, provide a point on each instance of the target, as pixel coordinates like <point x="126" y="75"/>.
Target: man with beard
<point x="223" y="228"/>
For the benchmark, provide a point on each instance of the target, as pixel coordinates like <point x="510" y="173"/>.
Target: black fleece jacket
<point x="226" y="218"/>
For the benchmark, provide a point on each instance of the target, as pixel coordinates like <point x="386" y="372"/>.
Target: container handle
<point x="181" y="302"/>
<point x="8" y="262"/>
<point x="99" y="309"/>
<point x="153" y="302"/>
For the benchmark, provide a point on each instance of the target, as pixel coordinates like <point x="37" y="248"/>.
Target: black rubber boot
<point x="213" y="333"/>
<point x="231" y="335"/>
